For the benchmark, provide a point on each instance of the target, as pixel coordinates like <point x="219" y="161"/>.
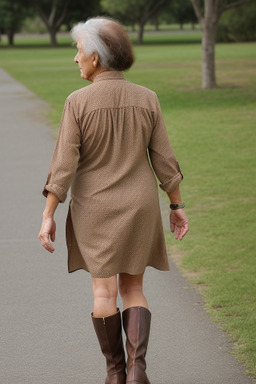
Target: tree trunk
<point x="156" y="24"/>
<point x="52" y="22"/>
<point x="213" y="9"/>
<point x="141" y="33"/>
<point x="10" y="35"/>
<point x="209" y="28"/>
<point x="53" y="39"/>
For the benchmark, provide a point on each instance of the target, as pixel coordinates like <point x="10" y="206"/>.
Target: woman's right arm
<point x="63" y="167"/>
<point x="48" y="227"/>
<point x="66" y="154"/>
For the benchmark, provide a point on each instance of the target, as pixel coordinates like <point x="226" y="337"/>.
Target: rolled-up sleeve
<point x="66" y="154"/>
<point x="162" y="155"/>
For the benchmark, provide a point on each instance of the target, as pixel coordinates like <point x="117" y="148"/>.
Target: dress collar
<point x="109" y="75"/>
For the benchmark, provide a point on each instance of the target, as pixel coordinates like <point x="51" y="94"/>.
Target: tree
<point x="133" y="11"/>
<point x="52" y="13"/>
<point x="12" y="13"/>
<point x="55" y="13"/>
<point x="208" y="15"/>
<point x="183" y="12"/>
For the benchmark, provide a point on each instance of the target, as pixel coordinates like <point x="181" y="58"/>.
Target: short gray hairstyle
<point x="108" y="38"/>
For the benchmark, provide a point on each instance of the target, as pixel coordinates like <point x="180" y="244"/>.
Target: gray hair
<point x="108" y="38"/>
<point x="90" y="39"/>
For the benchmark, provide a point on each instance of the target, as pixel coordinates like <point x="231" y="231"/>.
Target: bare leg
<point x="131" y="290"/>
<point x="106" y="320"/>
<point x="105" y="295"/>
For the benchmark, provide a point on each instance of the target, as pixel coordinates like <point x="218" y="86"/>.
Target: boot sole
<point x="134" y="382"/>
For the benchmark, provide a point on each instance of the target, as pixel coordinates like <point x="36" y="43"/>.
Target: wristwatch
<point x="177" y="206"/>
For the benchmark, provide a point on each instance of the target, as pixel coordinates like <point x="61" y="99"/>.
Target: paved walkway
<point x="46" y="332"/>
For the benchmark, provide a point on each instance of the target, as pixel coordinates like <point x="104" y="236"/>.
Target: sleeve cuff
<point x="171" y="184"/>
<point x="56" y="190"/>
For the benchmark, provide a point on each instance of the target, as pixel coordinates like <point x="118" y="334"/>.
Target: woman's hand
<point x="179" y="223"/>
<point x="47" y="233"/>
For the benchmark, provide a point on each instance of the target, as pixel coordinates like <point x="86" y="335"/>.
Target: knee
<point x="129" y="285"/>
<point x="105" y="292"/>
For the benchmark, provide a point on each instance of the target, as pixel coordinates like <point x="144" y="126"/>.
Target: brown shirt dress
<point x="110" y="132"/>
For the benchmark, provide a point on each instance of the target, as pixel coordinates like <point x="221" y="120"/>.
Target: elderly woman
<point x="111" y="132"/>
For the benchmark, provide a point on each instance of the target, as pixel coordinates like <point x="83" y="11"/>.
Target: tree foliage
<point x="81" y="10"/>
<point x="182" y="12"/>
<point x="239" y="24"/>
<point x="53" y="14"/>
<point x="12" y="13"/>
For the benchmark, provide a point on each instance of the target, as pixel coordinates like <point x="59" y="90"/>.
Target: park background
<point x="212" y="130"/>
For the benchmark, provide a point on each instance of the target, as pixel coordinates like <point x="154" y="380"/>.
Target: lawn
<point x="213" y="133"/>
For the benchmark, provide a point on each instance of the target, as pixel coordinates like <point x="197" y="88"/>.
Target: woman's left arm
<point x="48" y="228"/>
<point x="162" y="155"/>
<point x="167" y="170"/>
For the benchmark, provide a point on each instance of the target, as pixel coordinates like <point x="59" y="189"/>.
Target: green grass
<point x="213" y="133"/>
<point x="36" y="41"/>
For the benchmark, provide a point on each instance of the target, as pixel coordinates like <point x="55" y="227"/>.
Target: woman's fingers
<point x="179" y="224"/>
<point x="47" y="233"/>
<point x="44" y="238"/>
<point x="52" y="236"/>
<point x="183" y="230"/>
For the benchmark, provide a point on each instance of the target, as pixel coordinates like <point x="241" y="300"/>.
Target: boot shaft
<point x="109" y="333"/>
<point x="136" y="323"/>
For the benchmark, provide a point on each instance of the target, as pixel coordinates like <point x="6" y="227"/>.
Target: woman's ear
<point x="95" y="59"/>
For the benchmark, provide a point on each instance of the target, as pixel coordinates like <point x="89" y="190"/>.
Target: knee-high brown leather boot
<point x="109" y="332"/>
<point x="136" y="322"/>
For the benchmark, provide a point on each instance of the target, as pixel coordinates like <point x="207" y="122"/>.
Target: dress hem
<point x="126" y="271"/>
